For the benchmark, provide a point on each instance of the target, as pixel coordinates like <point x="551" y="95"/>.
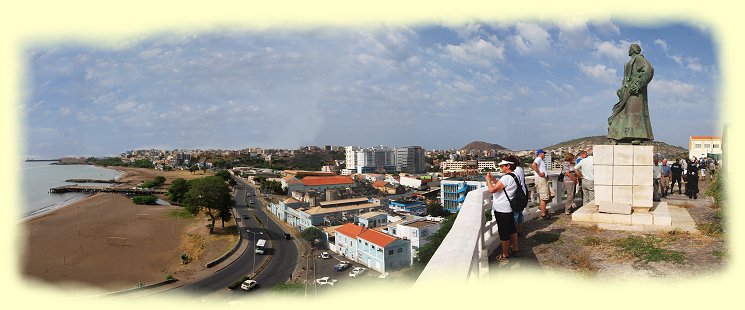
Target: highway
<point x="284" y="252"/>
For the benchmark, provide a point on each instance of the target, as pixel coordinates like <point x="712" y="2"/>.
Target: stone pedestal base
<point x="623" y="178"/>
<point x="661" y="217"/>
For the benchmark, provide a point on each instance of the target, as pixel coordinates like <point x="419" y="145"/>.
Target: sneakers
<point x="543" y="217"/>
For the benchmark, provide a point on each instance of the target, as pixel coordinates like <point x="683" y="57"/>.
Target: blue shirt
<point x="665" y="170"/>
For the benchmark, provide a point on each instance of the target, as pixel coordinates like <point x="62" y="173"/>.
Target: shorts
<point x="505" y="224"/>
<point x="665" y="182"/>
<point x="518" y="216"/>
<point x="545" y="191"/>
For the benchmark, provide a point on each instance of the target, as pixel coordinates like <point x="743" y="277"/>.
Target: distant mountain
<point x="483" y="146"/>
<point x="574" y="145"/>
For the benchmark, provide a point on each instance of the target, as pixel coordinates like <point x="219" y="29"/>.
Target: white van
<point x="260" y="246"/>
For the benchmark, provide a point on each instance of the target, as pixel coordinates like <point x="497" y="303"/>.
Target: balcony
<point x="463" y="255"/>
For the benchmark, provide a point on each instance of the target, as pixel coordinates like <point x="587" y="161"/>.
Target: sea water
<point x="38" y="177"/>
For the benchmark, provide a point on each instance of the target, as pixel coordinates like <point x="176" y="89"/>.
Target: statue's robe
<point x="630" y="118"/>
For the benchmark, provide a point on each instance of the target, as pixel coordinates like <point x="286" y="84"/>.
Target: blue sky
<point x="523" y="85"/>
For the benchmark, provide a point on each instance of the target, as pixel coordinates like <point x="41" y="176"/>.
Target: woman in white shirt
<point x="501" y="206"/>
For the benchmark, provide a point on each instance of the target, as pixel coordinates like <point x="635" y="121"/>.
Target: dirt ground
<point x="107" y="242"/>
<point x="557" y="244"/>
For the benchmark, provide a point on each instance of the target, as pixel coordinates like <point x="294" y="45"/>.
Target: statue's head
<point x="635" y="49"/>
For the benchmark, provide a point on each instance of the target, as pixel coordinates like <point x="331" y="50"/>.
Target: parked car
<point x="287" y="236"/>
<point x="248" y="284"/>
<point x="325" y="255"/>
<point x="326" y="281"/>
<point x="357" y="271"/>
<point x="383" y="276"/>
<point x="245" y="217"/>
<point x="341" y="265"/>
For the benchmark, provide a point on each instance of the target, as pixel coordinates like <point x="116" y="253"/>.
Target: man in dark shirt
<point x="677" y="171"/>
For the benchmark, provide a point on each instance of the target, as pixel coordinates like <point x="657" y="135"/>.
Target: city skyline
<point x="394" y="86"/>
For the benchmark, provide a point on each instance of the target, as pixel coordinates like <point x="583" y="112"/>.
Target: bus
<point x="260" y="246"/>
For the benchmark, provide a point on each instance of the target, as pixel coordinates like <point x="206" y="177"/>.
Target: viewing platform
<point x="102" y="189"/>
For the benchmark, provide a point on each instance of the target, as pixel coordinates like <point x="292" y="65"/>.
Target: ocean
<point x="39" y="177"/>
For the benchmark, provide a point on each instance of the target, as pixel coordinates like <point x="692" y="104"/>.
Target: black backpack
<point x="520" y="201"/>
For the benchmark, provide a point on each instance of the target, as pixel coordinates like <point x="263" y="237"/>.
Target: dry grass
<point x="581" y="261"/>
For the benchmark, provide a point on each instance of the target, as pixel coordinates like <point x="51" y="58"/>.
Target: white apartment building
<point x="452" y="165"/>
<point x="374" y="159"/>
<point x="700" y="146"/>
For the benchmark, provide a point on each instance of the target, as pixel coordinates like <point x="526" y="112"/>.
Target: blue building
<point x="410" y="206"/>
<point x="453" y="193"/>
<point x="382" y="252"/>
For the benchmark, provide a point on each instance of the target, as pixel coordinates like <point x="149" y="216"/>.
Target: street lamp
<point x="254" y="240"/>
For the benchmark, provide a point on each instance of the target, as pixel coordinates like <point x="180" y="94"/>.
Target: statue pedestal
<point x="623" y="178"/>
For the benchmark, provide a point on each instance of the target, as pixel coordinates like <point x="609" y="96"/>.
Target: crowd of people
<point x="577" y="176"/>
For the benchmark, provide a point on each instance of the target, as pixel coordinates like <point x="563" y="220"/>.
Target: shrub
<point x="145" y="200"/>
<point x="169" y="277"/>
<point x="715" y="189"/>
<point x="185" y="259"/>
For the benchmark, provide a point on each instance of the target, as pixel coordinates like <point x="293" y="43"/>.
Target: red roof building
<point x="378" y="238"/>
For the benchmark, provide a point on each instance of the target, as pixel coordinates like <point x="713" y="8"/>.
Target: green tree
<point x="178" y="190"/>
<point x="226" y="215"/>
<point x="210" y="195"/>
<point x="193" y="168"/>
<point x="223" y="174"/>
<point x="160" y="180"/>
<point x="311" y="234"/>
<point x="426" y="251"/>
<point x="436" y="209"/>
<point x="145" y="200"/>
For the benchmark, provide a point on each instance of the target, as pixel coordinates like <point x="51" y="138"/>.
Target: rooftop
<point x="350" y="230"/>
<point x="378" y="238"/>
<point x="421" y="224"/>
<point x="326" y="210"/>
<point x="372" y="214"/>
<point x="329" y="180"/>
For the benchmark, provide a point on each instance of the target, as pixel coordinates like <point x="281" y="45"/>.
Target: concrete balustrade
<point x="463" y="254"/>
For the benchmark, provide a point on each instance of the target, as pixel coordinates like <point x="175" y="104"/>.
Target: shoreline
<point x="44" y="211"/>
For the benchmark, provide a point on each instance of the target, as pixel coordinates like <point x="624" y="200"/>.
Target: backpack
<point x="520" y="201"/>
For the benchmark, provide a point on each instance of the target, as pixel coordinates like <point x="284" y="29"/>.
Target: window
<point x="424" y="233"/>
<point x="390" y="252"/>
<point x="413" y="233"/>
<point x="706" y="146"/>
<point x="716" y="146"/>
<point x="698" y="145"/>
<point x="400" y="250"/>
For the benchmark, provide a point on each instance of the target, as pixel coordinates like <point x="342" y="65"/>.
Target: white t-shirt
<point x="541" y="165"/>
<point x="499" y="201"/>
<point x="521" y="176"/>
<point x="586" y="166"/>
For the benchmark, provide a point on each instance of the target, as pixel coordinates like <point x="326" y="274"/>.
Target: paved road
<point x="284" y="252"/>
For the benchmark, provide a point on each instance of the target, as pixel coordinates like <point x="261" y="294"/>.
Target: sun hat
<point x="504" y="162"/>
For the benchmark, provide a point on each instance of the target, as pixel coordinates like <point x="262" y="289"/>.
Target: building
<point x="372" y="219"/>
<point x="382" y="252"/>
<point x="410" y="159"/>
<point x="417" y="231"/>
<point x="317" y="183"/>
<point x="326" y="212"/>
<point x="280" y="210"/>
<point x="408" y="206"/>
<point x="453" y="193"/>
<point x="345" y="239"/>
<point x="702" y="146"/>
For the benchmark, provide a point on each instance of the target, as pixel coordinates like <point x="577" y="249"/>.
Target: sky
<point x="523" y="84"/>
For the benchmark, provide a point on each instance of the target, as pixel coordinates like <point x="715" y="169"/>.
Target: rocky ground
<point x="558" y="245"/>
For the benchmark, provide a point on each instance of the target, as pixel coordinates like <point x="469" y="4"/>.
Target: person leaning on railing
<point x="503" y="213"/>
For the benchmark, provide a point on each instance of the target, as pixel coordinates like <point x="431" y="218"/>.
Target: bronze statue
<point x="629" y="122"/>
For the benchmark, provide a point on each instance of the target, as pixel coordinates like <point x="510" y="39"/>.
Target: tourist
<point x="656" y="174"/>
<point x="665" y="179"/>
<point x="692" y="180"/>
<point x="570" y="181"/>
<point x="584" y="170"/>
<point x="545" y="192"/>
<point x="503" y="213"/>
<point x="677" y="172"/>
<point x="702" y="166"/>
<point x="520" y="173"/>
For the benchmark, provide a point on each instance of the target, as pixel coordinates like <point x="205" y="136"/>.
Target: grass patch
<point x="181" y="213"/>
<point x="593" y="241"/>
<point x="541" y="237"/>
<point x="289" y="288"/>
<point x="710" y="229"/>
<point x="719" y="254"/>
<point x="581" y="261"/>
<point x="648" y="248"/>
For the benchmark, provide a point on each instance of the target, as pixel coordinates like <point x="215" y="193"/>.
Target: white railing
<point x="463" y="254"/>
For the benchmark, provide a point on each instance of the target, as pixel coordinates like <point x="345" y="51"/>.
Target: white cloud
<point x="125" y="106"/>
<point x="694" y="64"/>
<point x="607" y="28"/>
<point x="574" y="35"/>
<point x="64" y="110"/>
<point x="617" y="52"/>
<point x="667" y="88"/>
<point x="531" y="38"/>
<point x="677" y="58"/>
<point x="150" y="53"/>
<point x="599" y="72"/>
<point x="564" y="89"/>
<point x="478" y="52"/>
<point x="467" y="31"/>
<point x="661" y="43"/>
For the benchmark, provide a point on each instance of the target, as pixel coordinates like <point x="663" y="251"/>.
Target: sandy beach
<point x="106" y="241"/>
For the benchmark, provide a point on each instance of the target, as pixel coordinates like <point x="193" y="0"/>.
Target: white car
<point x="325" y="255"/>
<point x="326" y="281"/>
<point x="248" y="284"/>
<point x="357" y="271"/>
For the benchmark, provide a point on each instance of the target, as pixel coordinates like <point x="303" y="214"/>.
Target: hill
<point x="574" y="145"/>
<point x="483" y="146"/>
